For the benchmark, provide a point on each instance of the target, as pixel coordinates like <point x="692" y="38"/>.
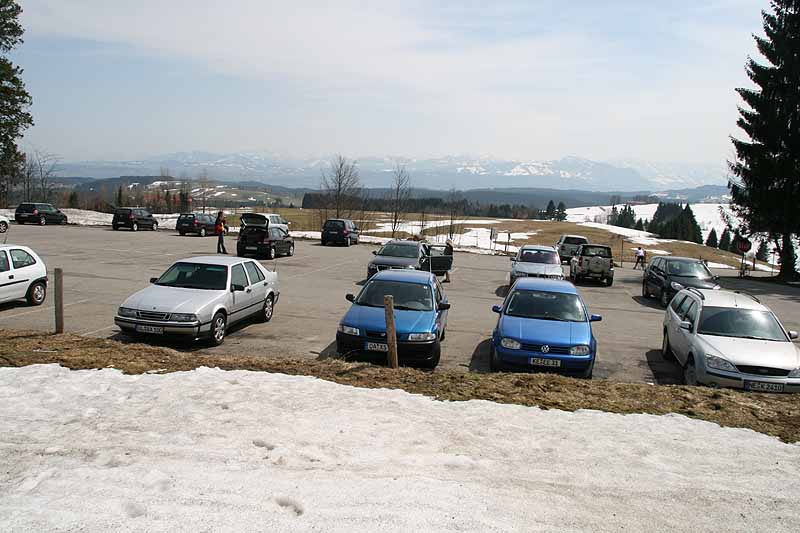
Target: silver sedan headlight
<point x="127" y="312"/>
<point x="795" y="373"/>
<point x="183" y="317"/>
<point x="718" y="363"/>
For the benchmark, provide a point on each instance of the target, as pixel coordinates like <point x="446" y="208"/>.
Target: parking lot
<point x="102" y="267"/>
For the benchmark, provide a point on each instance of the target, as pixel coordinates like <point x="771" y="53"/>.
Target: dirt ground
<point x="777" y="415"/>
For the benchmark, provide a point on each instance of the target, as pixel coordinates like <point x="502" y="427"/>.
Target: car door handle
<point x="248" y="290"/>
<point x="11" y="276"/>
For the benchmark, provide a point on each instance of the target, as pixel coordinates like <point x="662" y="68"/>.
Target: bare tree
<point x="341" y="187"/>
<point x="398" y="197"/>
<point x="455" y="211"/>
<point x="37" y="176"/>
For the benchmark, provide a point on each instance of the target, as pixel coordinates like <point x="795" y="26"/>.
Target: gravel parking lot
<point x="102" y="267"/>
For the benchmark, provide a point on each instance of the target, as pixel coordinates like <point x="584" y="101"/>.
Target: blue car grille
<point x="555" y="350"/>
<point x="376" y="335"/>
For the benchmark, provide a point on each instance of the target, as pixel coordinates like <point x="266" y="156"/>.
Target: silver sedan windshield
<point x="195" y="276"/>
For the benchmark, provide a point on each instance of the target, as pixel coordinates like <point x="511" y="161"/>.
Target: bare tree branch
<point x="341" y="187"/>
<point x="398" y="197"/>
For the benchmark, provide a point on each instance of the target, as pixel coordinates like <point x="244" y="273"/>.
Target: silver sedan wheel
<point x="218" y="328"/>
<point x="269" y="308"/>
<point x="690" y="373"/>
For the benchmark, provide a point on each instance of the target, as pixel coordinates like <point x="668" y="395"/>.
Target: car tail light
<point x="194" y="223"/>
<point x="130" y="216"/>
<point x="346" y="233"/>
<point x="580" y="261"/>
<point x="35" y="211"/>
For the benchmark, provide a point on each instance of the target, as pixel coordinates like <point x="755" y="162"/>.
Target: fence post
<point x="58" y="298"/>
<point x="621" y="251"/>
<point x="391" y="331"/>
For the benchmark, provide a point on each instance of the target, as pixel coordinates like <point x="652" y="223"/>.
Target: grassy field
<point x="546" y="232"/>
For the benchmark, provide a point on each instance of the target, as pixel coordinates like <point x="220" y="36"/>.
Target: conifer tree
<point x="712" y="241"/>
<point x="725" y="240"/>
<point x="762" y="252"/>
<point x="766" y="183"/>
<point x="561" y="212"/>
<point x="550" y="212"/>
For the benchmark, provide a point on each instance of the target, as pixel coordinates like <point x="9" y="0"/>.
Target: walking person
<point x="219" y="229"/>
<point x="639" y="258"/>
<point x="448" y="250"/>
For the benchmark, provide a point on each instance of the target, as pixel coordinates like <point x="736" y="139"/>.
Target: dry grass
<point x="777" y="415"/>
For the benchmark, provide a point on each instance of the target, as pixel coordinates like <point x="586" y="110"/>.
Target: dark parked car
<point x="258" y="238"/>
<point x="198" y="223"/>
<point x="666" y="276"/>
<point x="39" y="214"/>
<point x="340" y="231"/>
<point x="133" y="218"/>
<point x="415" y="255"/>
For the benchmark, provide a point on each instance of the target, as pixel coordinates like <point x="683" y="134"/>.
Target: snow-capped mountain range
<point x="462" y="172"/>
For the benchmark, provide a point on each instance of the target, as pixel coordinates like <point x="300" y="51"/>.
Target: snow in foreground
<point x="243" y="451"/>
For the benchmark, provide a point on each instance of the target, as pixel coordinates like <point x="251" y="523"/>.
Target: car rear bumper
<point x="411" y="352"/>
<point x="189" y="330"/>
<point x="252" y="249"/>
<point x="718" y="378"/>
<point x="570" y="365"/>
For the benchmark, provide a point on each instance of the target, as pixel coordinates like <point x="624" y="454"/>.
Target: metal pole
<point x="391" y="331"/>
<point x="58" y="276"/>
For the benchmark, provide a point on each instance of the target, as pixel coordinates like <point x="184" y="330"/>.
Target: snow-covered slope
<point x="242" y="451"/>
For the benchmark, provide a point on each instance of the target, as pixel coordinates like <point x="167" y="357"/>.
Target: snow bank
<point x="244" y="451"/>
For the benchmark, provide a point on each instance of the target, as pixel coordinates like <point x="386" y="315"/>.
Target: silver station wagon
<point x="201" y="297"/>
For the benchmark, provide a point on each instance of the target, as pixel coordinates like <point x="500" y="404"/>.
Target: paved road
<point x="103" y="267"/>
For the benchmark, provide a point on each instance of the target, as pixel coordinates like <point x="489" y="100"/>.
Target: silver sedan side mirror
<point x="793" y="335"/>
<point x="686" y="325"/>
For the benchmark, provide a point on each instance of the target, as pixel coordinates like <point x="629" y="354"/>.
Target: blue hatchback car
<point x="420" y="309"/>
<point x="544" y="326"/>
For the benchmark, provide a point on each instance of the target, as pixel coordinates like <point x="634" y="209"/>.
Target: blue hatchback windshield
<point x="543" y="305"/>
<point x="407" y="296"/>
<point x="195" y="276"/>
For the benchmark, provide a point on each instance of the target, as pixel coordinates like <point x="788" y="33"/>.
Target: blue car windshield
<point x="543" y="305"/>
<point x="407" y="296"/>
<point x="195" y="276"/>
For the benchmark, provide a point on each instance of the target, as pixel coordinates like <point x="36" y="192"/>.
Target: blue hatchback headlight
<point x="581" y="349"/>
<point x="510" y="344"/>
<point x="347" y="330"/>
<point x="421" y="336"/>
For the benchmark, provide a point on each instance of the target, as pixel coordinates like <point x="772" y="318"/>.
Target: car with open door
<point x="266" y="242"/>
<point x="23" y="275"/>
<point x="39" y="213"/>
<point x="411" y="255"/>
<point x="201" y="297"/>
<point x="420" y="313"/>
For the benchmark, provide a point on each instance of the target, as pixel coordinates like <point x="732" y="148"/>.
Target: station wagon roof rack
<point x="745" y="293"/>
<point x="696" y="291"/>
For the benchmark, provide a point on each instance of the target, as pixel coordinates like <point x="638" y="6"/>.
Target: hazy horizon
<point x="519" y="80"/>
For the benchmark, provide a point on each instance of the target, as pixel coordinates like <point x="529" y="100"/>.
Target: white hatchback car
<point x="4" y="222"/>
<point x="23" y="274"/>
<point x="730" y="339"/>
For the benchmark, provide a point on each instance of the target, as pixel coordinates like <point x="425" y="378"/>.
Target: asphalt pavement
<point x="102" y="267"/>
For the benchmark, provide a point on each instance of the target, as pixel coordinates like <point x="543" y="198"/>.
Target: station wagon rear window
<point x="574" y="240"/>
<point x="334" y="224"/>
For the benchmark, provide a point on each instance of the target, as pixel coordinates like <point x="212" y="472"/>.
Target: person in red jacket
<point x="219" y="229"/>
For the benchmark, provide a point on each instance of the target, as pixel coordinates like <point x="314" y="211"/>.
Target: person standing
<point x="639" y="258"/>
<point x="219" y="229"/>
<point x="448" y="250"/>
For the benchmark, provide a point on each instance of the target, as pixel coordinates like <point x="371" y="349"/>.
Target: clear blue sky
<point x="524" y="80"/>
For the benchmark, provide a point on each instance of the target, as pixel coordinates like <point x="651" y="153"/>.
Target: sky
<point x="526" y="80"/>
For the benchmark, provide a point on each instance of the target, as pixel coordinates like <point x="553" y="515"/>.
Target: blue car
<point x="544" y="326"/>
<point x="420" y="306"/>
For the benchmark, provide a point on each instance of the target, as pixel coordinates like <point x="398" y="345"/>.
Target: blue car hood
<point x="532" y="331"/>
<point x="374" y="318"/>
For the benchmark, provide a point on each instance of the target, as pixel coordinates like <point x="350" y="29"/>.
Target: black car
<point x="399" y="254"/>
<point x="257" y="238"/>
<point x="665" y="276"/>
<point x="197" y="223"/>
<point x="39" y="214"/>
<point x="339" y="231"/>
<point x="133" y="218"/>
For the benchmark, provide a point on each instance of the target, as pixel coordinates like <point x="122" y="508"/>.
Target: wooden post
<point x="621" y="250"/>
<point x="58" y="298"/>
<point x="391" y="331"/>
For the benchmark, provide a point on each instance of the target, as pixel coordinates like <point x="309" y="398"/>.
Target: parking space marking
<point x="300" y="275"/>
<point x="89" y="333"/>
<point x="43" y="309"/>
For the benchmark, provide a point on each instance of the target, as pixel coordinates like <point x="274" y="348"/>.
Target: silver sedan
<point x="201" y="297"/>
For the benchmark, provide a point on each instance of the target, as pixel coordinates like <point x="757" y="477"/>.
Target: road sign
<point x="743" y="245"/>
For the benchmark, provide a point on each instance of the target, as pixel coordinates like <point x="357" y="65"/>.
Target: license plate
<point x="251" y="247"/>
<point x="331" y="233"/>
<point x="377" y="347"/>
<point x="761" y="386"/>
<point x="150" y="329"/>
<point x="539" y="361"/>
